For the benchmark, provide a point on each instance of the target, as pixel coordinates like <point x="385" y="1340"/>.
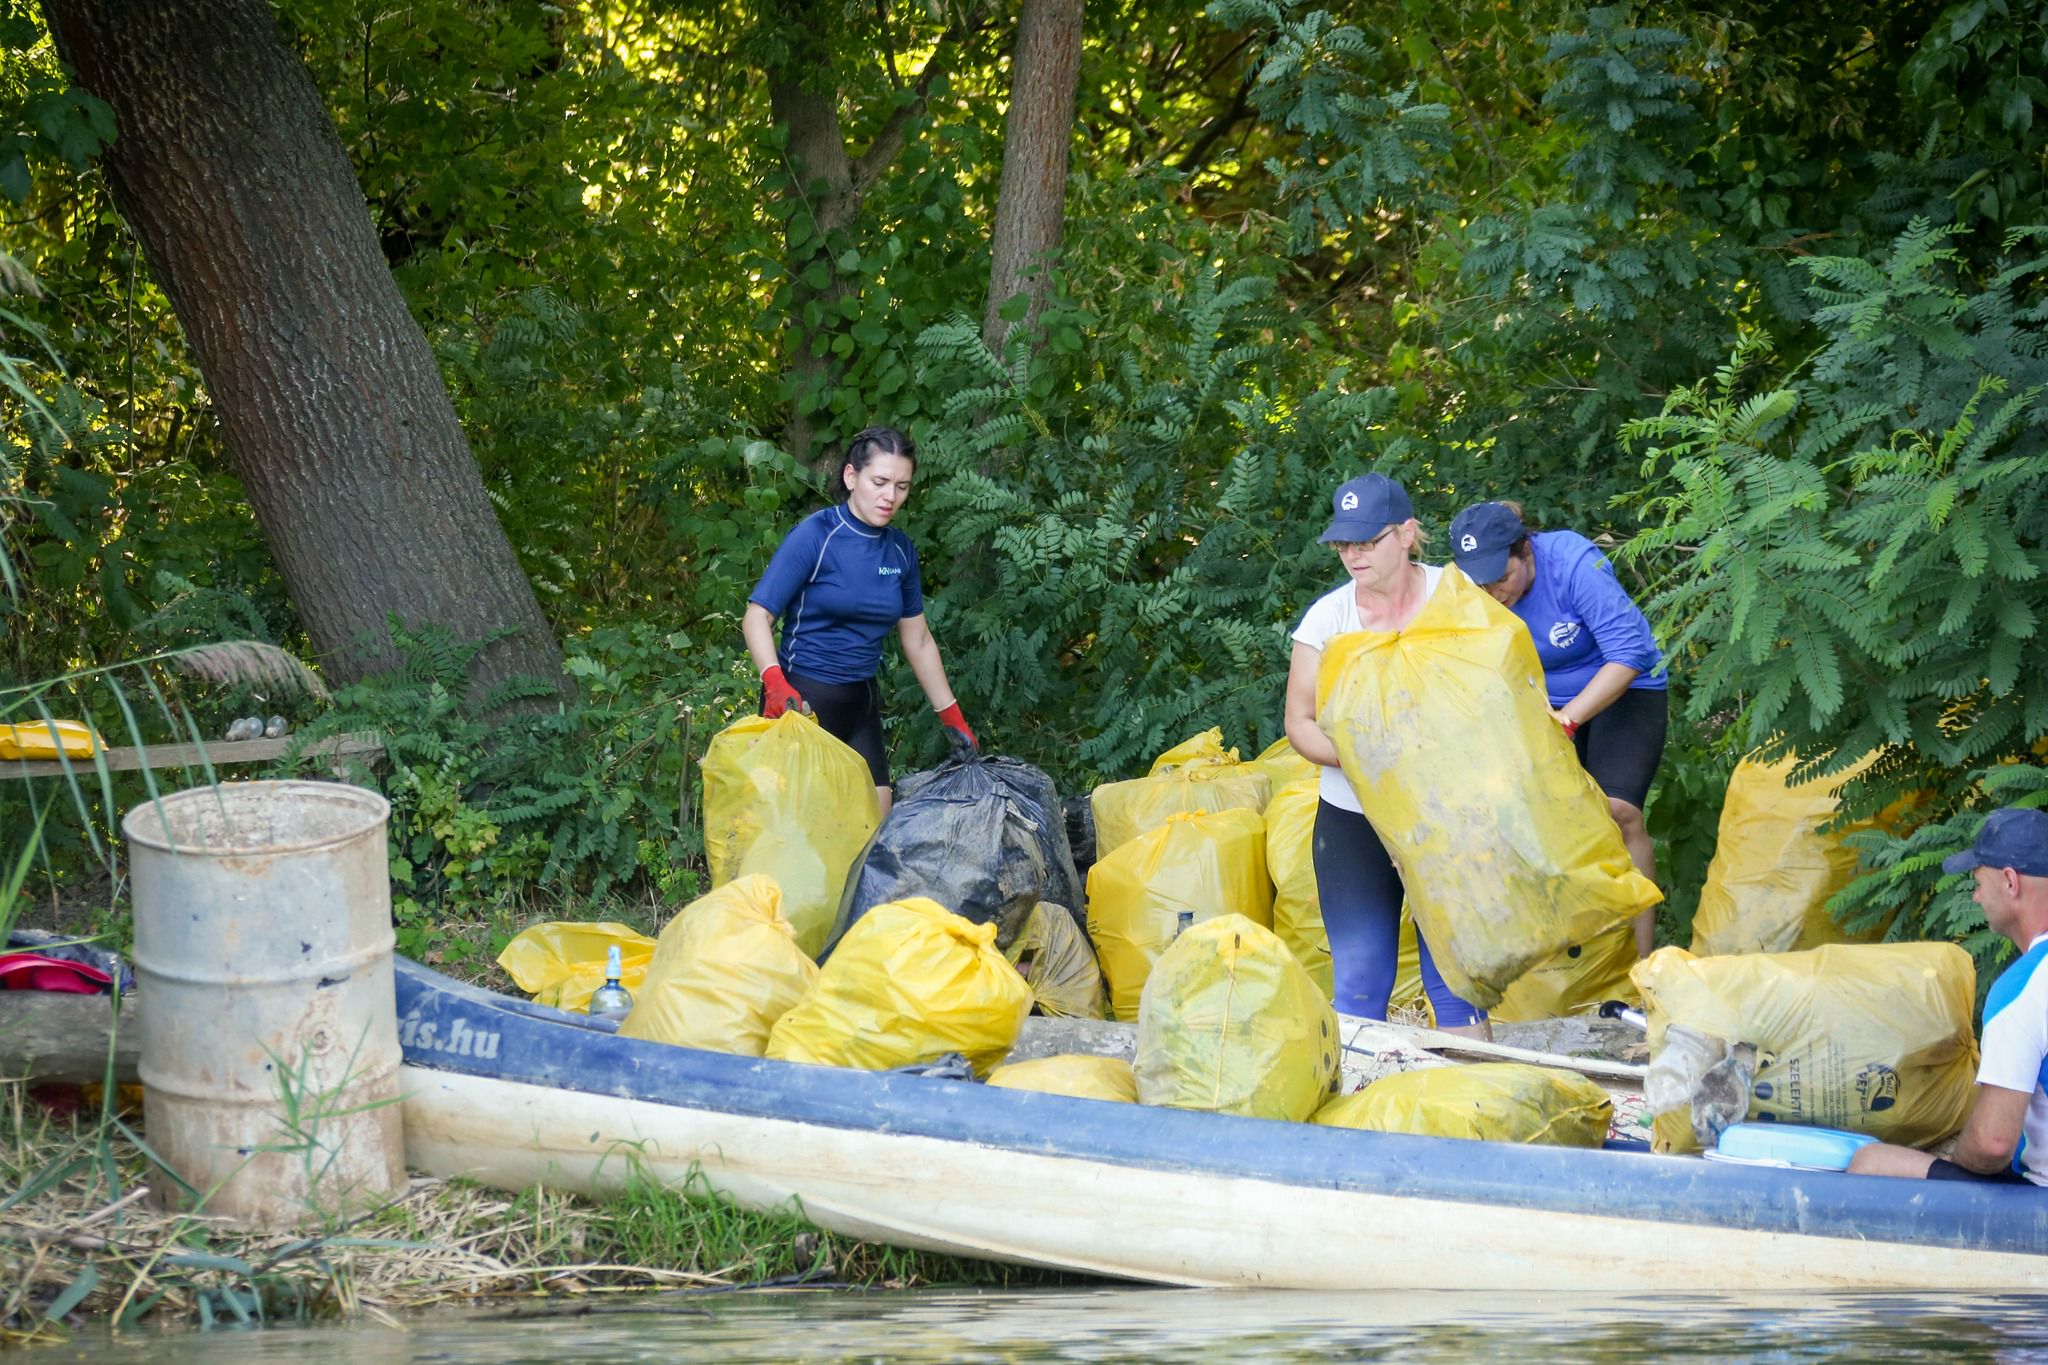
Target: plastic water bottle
<point x="611" y="1000"/>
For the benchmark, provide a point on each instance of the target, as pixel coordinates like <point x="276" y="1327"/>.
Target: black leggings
<point x="1622" y="746"/>
<point x="851" y="712"/>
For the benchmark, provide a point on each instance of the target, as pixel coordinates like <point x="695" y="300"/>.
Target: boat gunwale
<point x="1679" y="1191"/>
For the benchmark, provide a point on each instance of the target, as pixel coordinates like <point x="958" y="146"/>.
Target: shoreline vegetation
<point x="82" y="1248"/>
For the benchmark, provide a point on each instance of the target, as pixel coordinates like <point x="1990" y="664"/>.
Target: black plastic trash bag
<point x="984" y="837"/>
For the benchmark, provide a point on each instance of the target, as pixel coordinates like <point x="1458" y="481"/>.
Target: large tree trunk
<point x="227" y="166"/>
<point x="1031" y="203"/>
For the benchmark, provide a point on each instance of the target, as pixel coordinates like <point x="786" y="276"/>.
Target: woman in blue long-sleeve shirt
<point x="1601" y="665"/>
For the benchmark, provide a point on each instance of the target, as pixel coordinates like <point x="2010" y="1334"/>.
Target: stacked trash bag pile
<point x="833" y="937"/>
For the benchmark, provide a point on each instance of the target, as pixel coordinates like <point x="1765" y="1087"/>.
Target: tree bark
<point x="229" y="170"/>
<point x="1031" y="203"/>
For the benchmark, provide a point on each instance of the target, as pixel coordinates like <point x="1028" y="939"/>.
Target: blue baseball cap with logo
<point x="1366" y="506"/>
<point x="1482" y="538"/>
<point x="2011" y="837"/>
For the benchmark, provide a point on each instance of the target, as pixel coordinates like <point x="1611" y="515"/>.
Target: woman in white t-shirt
<point x="1375" y="535"/>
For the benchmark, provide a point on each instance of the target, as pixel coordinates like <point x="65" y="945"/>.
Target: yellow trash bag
<point x="1231" y="1023"/>
<point x="1489" y="1101"/>
<point x="1290" y="861"/>
<point x="32" y="739"/>
<point x="1196" y="774"/>
<point x="1054" y="957"/>
<point x="1503" y="842"/>
<point x="561" y="963"/>
<point x="1773" y="870"/>
<point x="1875" y="1038"/>
<point x="783" y="797"/>
<point x="1084" y="1077"/>
<point x="724" y="970"/>
<point x="1298" y="909"/>
<point x="1578" y="978"/>
<point x="1196" y="751"/>
<point x="1199" y="864"/>
<point x="1284" y="767"/>
<point x="909" y="982"/>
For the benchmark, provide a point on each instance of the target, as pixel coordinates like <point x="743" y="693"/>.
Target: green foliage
<point x="1851" y="552"/>
<point x="490" y="797"/>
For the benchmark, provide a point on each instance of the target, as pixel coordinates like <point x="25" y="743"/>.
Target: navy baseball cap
<point x="1366" y="506"/>
<point x="1482" y="537"/>
<point x="2011" y="837"/>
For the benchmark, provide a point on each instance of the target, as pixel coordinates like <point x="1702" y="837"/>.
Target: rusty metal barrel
<point x="267" y="1013"/>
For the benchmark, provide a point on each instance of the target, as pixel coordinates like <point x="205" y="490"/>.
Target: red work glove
<point x="777" y="695"/>
<point x="956" y="729"/>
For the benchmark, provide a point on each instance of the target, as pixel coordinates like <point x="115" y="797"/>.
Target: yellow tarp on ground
<point x="1197" y="774"/>
<point x="784" y="798"/>
<point x="1875" y="1038"/>
<point x="1488" y="1101"/>
<point x="724" y="970"/>
<point x="1578" y="978"/>
<point x="1504" y="843"/>
<point x="1231" y="1023"/>
<point x="1773" y="870"/>
<point x="1057" y="963"/>
<point x="1084" y="1077"/>
<point x="1199" y="863"/>
<point x="910" y="982"/>
<point x="561" y="963"/>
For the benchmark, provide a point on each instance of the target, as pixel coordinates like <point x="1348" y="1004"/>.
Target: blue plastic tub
<point x="1789" y="1145"/>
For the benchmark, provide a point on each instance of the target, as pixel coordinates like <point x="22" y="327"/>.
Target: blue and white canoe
<point x="511" y="1093"/>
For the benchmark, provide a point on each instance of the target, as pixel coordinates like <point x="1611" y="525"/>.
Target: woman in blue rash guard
<point x="840" y="582"/>
<point x="1601" y="665"/>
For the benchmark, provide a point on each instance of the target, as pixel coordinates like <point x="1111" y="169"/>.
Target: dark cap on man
<point x="1366" y="506"/>
<point x="1482" y="538"/>
<point x="2011" y="837"/>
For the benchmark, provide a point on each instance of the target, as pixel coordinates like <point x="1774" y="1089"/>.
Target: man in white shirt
<point x="2005" y="1139"/>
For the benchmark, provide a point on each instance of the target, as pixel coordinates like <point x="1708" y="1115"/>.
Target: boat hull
<point x="1164" y="1195"/>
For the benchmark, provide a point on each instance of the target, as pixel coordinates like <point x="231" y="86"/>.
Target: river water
<point x="1121" y="1324"/>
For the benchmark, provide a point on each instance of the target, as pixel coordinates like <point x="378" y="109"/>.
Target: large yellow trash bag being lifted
<point x="910" y="982"/>
<point x="1489" y="1101"/>
<point x="1577" y="979"/>
<point x="1199" y="864"/>
<point x="1057" y="963"/>
<point x="1197" y="774"/>
<point x="1875" y="1038"/>
<point x="1504" y="844"/>
<point x="1076" y="1074"/>
<point x="724" y="970"/>
<point x="561" y="963"/>
<point x="1773" y="870"/>
<point x="1230" y="1023"/>
<point x="785" y="798"/>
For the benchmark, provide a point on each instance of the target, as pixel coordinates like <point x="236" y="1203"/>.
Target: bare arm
<point x="1300" y="715"/>
<point x="1601" y="691"/>
<point x="1992" y="1133"/>
<point x="757" y="628"/>
<point x="923" y="653"/>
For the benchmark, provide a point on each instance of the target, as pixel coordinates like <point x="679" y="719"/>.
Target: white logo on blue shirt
<point x="888" y="569"/>
<point x="1563" y="633"/>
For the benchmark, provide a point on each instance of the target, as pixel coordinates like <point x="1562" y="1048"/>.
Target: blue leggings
<point x="1360" y="891"/>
